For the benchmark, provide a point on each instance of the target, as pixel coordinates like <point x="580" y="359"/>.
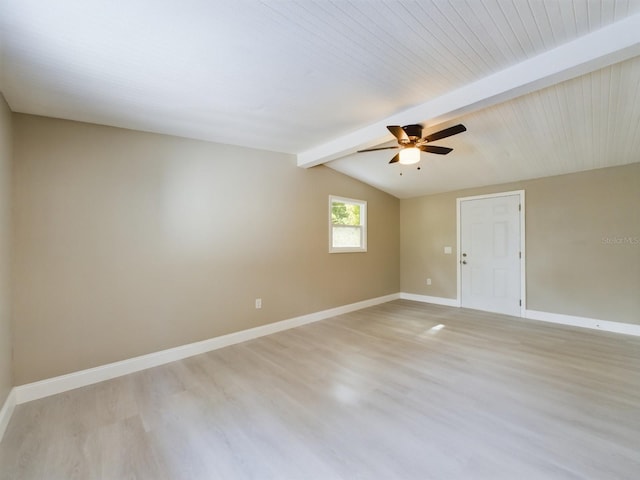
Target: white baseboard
<point x="593" y="323"/>
<point x="7" y="411"/>
<point x="63" y="383"/>
<point x="561" y="319"/>
<point x="448" y="302"/>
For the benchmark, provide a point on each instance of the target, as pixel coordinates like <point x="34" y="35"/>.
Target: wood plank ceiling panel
<point x="592" y="121"/>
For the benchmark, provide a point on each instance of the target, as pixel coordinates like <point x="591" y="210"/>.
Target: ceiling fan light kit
<point x="411" y="144"/>
<point x="409" y="155"/>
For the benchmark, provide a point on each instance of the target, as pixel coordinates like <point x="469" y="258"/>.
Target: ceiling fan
<point x="411" y="143"/>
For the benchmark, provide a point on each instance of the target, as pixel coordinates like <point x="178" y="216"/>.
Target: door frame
<point x="523" y="273"/>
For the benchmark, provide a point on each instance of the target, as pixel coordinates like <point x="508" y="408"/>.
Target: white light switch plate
<point x="447" y="250"/>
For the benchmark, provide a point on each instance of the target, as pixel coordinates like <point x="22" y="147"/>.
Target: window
<point x="347" y="225"/>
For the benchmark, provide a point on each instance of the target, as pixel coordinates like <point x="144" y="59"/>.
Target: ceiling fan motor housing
<point x="414" y="132"/>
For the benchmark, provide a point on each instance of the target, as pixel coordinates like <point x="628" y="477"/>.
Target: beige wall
<point x="6" y="360"/>
<point x="571" y="268"/>
<point x="130" y="242"/>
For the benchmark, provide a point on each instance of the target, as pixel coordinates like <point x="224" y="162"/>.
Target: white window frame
<point x="363" y="225"/>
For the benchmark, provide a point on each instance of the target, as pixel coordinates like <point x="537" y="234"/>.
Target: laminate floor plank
<point x="402" y="390"/>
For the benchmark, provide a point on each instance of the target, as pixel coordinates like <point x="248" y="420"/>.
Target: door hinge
<point x="520" y="302"/>
<point x="519" y="254"/>
<point x="519" y="207"/>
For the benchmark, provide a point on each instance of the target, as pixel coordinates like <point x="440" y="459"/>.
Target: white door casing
<point x="491" y="253"/>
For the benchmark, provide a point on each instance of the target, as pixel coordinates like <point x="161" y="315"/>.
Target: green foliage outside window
<point x="345" y="213"/>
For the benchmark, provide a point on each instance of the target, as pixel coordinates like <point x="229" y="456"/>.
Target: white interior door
<point x="490" y="254"/>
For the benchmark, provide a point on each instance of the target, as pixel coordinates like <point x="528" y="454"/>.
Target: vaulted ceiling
<point x="544" y="88"/>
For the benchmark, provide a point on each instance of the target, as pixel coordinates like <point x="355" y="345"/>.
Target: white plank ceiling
<point x="321" y="79"/>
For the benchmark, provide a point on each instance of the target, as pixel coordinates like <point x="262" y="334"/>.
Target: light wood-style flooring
<point x="398" y="391"/>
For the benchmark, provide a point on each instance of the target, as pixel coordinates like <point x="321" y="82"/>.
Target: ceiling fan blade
<point x="398" y="132"/>
<point x="374" y="149"/>
<point x="435" y="149"/>
<point x="395" y="159"/>
<point x="447" y="132"/>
